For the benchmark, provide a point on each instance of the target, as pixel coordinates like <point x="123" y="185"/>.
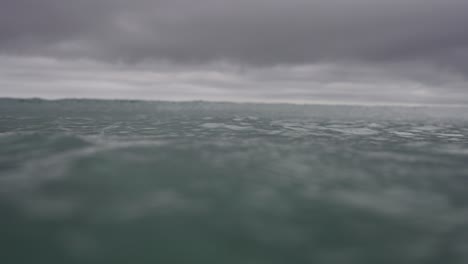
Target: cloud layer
<point x="352" y="42"/>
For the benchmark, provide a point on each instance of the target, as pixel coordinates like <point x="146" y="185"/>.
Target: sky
<point x="295" y="51"/>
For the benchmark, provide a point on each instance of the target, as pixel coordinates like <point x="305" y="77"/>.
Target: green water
<point x="155" y="182"/>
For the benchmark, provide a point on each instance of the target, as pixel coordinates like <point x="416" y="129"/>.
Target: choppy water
<point x="141" y="182"/>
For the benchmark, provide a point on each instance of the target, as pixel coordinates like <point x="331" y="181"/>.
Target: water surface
<point x="85" y="181"/>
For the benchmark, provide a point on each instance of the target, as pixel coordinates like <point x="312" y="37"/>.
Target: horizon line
<point x="304" y="103"/>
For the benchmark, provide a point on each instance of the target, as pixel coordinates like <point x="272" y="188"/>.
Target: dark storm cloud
<point x="252" y="32"/>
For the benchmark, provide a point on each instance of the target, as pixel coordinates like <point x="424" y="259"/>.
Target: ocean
<point x="93" y="181"/>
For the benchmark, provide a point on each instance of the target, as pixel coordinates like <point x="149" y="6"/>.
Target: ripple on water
<point x="404" y="134"/>
<point x="356" y="131"/>
<point x="224" y="126"/>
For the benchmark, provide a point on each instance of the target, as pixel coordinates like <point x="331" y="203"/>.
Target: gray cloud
<point x="257" y="32"/>
<point x="313" y="83"/>
<point x="407" y="51"/>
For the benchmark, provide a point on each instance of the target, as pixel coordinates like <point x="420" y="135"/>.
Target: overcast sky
<point x="302" y="51"/>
